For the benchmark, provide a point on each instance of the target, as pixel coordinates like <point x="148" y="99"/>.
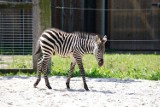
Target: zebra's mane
<point x="86" y="35"/>
<point x="83" y="35"/>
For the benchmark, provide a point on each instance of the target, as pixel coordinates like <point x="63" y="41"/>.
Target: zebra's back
<point x="55" y="40"/>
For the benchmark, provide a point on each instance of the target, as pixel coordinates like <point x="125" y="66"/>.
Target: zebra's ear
<point x="105" y="39"/>
<point x="98" y="39"/>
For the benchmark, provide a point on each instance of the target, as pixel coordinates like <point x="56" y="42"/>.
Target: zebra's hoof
<point x="49" y="87"/>
<point x="86" y="87"/>
<point x="68" y="87"/>
<point x="35" y="85"/>
<point x="67" y="84"/>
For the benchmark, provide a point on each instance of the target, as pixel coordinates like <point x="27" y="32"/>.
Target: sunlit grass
<point x="16" y="62"/>
<point x="122" y="66"/>
<point x="21" y="62"/>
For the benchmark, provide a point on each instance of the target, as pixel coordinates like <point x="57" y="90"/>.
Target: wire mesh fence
<point x="15" y="36"/>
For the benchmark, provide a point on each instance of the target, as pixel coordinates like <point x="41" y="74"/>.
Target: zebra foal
<point x="76" y="44"/>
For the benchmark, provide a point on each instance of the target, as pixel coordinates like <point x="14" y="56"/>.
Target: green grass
<point x="17" y="61"/>
<point x="122" y="66"/>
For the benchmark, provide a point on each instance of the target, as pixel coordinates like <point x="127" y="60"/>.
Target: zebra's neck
<point x="87" y="45"/>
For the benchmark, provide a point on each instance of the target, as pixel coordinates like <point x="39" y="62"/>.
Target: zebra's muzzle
<point x="100" y="62"/>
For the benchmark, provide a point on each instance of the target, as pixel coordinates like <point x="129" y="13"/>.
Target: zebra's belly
<point x="65" y="54"/>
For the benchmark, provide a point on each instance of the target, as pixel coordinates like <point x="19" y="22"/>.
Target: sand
<point x="18" y="91"/>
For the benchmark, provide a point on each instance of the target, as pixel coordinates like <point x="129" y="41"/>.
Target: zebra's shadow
<point x="83" y="90"/>
<point x="69" y="90"/>
<point x="104" y="91"/>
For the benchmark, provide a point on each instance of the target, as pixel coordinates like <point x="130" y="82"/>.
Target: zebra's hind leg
<point x="70" y="74"/>
<point x="39" y="68"/>
<point x="47" y="82"/>
<point x="38" y="79"/>
<point x="44" y="70"/>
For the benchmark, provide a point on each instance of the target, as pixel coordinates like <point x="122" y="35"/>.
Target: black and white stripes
<point x="54" y="41"/>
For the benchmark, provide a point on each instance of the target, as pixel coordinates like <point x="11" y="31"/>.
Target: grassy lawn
<point x="138" y="66"/>
<point x="123" y="66"/>
<point x="16" y="62"/>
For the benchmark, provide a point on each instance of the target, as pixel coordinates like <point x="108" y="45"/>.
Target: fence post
<point x="36" y="30"/>
<point x="41" y="21"/>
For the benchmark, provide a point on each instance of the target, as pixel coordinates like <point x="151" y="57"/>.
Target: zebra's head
<point x="99" y="49"/>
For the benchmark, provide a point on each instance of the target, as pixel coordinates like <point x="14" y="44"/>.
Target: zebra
<point x="75" y="44"/>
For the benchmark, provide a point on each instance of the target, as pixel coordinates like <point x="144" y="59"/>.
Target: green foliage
<point x="155" y="76"/>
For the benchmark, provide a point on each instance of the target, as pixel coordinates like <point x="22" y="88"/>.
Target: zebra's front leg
<point x="84" y="80"/>
<point x="70" y="74"/>
<point x="80" y="65"/>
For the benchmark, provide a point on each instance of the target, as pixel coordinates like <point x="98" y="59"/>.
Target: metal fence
<point x="16" y="34"/>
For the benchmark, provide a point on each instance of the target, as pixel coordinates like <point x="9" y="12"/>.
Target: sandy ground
<point x="19" y="92"/>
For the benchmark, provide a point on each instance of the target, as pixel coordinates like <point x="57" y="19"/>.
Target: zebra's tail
<point x="38" y="48"/>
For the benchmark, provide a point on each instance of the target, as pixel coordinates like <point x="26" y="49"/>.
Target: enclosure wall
<point x="129" y="24"/>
